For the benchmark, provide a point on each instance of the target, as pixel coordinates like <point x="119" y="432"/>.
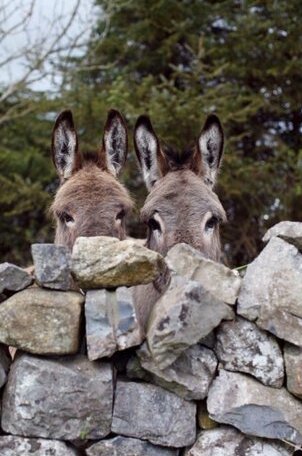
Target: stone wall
<point x="218" y="370"/>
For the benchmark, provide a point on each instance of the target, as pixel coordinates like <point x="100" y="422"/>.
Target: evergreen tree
<point x="178" y="60"/>
<point x="27" y="180"/>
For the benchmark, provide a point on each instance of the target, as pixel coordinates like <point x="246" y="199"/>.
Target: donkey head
<point x="181" y="205"/>
<point x="90" y="200"/>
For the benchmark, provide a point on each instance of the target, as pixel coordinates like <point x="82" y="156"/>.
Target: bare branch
<point x="43" y="48"/>
<point x="23" y="21"/>
<point x="36" y="56"/>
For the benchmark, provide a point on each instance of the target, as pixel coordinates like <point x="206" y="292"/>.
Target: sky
<point x="28" y="25"/>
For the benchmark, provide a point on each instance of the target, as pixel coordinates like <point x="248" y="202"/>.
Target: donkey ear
<point x="147" y="149"/>
<point x="210" y="147"/>
<point x="64" y="145"/>
<point x="115" y="142"/>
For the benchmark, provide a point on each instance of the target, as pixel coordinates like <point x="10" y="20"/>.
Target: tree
<point x="178" y="61"/>
<point x="39" y="53"/>
<point x="30" y="54"/>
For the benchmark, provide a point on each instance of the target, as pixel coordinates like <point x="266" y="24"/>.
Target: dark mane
<point x="91" y="158"/>
<point x="177" y="158"/>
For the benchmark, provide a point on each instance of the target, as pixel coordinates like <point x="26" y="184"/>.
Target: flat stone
<point x="242" y="347"/>
<point x="52" y="266"/>
<point x="111" y="322"/>
<point x="11" y="445"/>
<point x="4" y="365"/>
<point x="220" y="281"/>
<point x="100" y="333"/>
<point x="225" y="441"/>
<point x="255" y="409"/>
<point x="13" y="278"/>
<point x="104" y="262"/>
<point x="181" y="317"/>
<point x="288" y="231"/>
<point x="271" y="291"/>
<point x="64" y="399"/>
<point x="42" y="321"/>
<point x="126" y="446"/>
<point x="151" y="413"/>
<point x="293" y="365"/>
<point x="189" y="376"/>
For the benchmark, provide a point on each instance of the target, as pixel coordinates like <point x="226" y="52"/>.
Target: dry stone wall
<point x="217" y="372"/>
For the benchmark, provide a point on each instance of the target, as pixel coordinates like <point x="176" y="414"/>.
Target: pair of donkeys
<point x="181" y="205"/>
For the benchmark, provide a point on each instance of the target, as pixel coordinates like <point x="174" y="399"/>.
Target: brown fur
<point x="94" y="198"/>
<point x="181" y="202"/>
<point x="90" y="200"/>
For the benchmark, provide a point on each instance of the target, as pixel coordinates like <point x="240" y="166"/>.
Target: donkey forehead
<point x="180" y="194"/>
<point x="91" y="188"/>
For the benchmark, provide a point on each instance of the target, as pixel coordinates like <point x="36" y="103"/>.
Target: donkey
<point x="181" y="205"/>
<point x="90" y="200"/>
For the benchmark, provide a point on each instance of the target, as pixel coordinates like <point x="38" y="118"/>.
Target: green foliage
<point x="179" y="60"/>
<point x="26" y="179"/>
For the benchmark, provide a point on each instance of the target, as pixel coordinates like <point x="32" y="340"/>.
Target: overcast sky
<point x="47" y="19"/>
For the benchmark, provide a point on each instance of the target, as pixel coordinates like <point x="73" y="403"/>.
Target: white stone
<point x="226" y="441"/>
<point x="242" y="347"/>
<point x="289" y="231"/>
<point x="255" y="409"/>
<point x="220" y="281"/>
<point x="271" y="291"/>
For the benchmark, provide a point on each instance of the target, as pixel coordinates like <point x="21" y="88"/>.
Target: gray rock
<point x="100" y="333"/>
<point x="181" y="317"/>
<point x="242" y="347"/>
<point x="226" y="441"/>
<point x="42" y="321"/>
<point x="11" y="445"/>
<point x="104" y="262"/>
<point x="151" y="413"/>
<point x="111" y="322"/>
<point x="52" y="266"/>
<point x="220" y="281"/>
<point x="271" y="291"/>
<point x="4" y="365"/>
<point x="127" y="329"/>
<point x="255" y="409"/>
<point x="58" y="399"/>
<point x="125" y="446"/>
<point x="13" y="278"/>
<point x="293" y="365"/>
<point x="289" y="231"/>
<point x="189" y="376"/>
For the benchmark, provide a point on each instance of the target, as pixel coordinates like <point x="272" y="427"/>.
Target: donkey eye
<point x="66" y="218"/>
<point x="153" y="224"/>
<point x="211" y="223"/>
<point x="120" y="215"/>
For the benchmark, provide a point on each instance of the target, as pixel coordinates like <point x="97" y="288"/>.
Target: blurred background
<point x="178" y="61"/>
